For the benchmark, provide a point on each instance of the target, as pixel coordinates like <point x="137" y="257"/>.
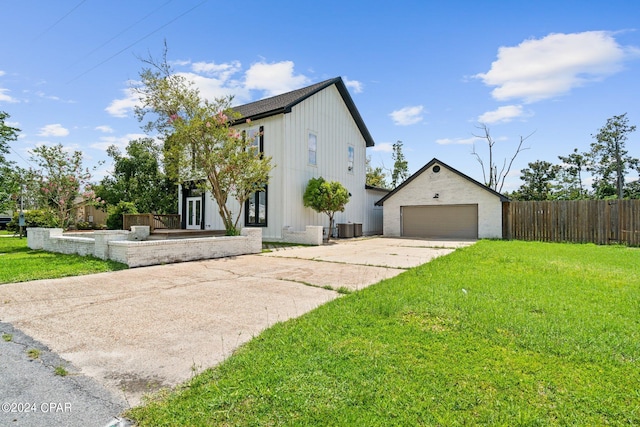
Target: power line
<point x="136" y="42"/>
<point x="122" y="32"/>
<point x="58" y="21"/>
<point x="18" y="154"/>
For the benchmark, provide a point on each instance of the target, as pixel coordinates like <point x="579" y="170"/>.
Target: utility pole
<point x="21" y="221"/>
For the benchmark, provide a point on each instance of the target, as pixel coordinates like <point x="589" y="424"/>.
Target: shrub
<point x="114" y="220"/>
<point x="33" y="218"/>
<point x="84" y="225"/>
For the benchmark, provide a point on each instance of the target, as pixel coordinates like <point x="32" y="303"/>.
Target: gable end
<point x="442" y="164"/>
<point x="283" y="104"/>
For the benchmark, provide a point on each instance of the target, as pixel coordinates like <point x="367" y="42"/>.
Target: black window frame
<point x="256" y="196"/>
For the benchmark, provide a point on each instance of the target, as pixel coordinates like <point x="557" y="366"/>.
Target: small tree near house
<point x="326" y="197"/>
<point x="61" y="180"/>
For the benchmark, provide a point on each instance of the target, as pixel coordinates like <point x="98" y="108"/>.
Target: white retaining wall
<point x="311" y="236"/>
<point x="126" y="247"/>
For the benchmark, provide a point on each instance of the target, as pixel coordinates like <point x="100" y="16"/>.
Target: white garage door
<point x="440" y="222"/>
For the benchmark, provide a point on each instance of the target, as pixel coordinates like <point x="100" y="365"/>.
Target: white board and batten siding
<point x="326" y="116"/>
<point x="286" y="141"/>
<point x="373" y="214"/>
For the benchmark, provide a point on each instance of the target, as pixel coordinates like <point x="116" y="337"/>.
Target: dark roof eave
<point x="371" y="187"/>
<point x="259" y="116"/>
<point x="502" y="197"/>
<point x="344" y="93"/>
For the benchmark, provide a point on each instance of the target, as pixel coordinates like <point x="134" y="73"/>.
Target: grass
<point x="33" y="353"/>
<point x="499" y="333"/>
<point x="269" y="247"/>
<point x="7" y="337"/>
<point x="18" y="263"/>
<point x="60" y="371"/>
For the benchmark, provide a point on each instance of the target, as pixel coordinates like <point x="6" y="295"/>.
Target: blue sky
<point x="423" y="72"/>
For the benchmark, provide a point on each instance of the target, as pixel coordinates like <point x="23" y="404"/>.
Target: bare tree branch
<point x="496" y="179"/>
<point x="518" y="150"/>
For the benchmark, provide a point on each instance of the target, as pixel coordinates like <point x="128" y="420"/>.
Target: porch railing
<point x="154" y="221"/>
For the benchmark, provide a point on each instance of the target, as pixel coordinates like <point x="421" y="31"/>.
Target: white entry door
<point x="194" y="213"/>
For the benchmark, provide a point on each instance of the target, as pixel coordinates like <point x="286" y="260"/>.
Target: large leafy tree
<point x="138" y="177"/>
<point x="570" y="185"/>
<point x="9" y="180"/>
<point x="609" y="158"/>
<point x="326" y="197"/>
<point x="61" y="180"/>
<point x="538" y="180"/>
<point x="375" y="177"/>
<point x="200" y="141"/>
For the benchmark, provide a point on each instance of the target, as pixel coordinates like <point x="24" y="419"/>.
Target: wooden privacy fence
<point x="154" y="221"/>
<point x="580" y="221"/>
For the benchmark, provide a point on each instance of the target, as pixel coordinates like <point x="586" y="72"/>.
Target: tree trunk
<point x="330" y="227"/>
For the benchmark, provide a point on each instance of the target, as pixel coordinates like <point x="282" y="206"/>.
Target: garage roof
<point x="434" y="161"/>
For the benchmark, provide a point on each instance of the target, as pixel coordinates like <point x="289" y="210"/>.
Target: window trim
<point x="260" y="131"/>
<point x="351" y="156"/>
<point x="256" y="199"/>
<point x="315" y="148"/>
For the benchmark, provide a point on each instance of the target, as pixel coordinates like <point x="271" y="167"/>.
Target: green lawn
<point x="18" y="263"/>
<point x="500" y="333"/>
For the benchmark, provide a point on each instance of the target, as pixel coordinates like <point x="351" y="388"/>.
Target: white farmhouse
<point x="310" y="132"/>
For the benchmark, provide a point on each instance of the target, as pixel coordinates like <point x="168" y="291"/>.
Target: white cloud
<point x="212" y="87"/>
<point x="503" y="114"/>
<point x="119" y="141"/>
<point x="355" y="85"/>
<point x="544" y="68"/>
<point x="220" y="71"/>
<point x="104" y="128"/>
<point x="385" y="147"/>
<point x="458" y="141"/>
<point x="216" y="81"/>
<point x="121" y="107"/>
<point x="54" y="130"/>
<point x="5" y="97"/>
<point x="274" y="78"/>
<point x="407" y="116"/>
<point x="180" y="62"/>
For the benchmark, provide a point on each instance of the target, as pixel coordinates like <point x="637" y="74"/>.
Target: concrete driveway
<point x="138" y="330"/>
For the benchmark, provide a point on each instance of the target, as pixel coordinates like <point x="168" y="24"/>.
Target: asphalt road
<point x="32" y="395"/>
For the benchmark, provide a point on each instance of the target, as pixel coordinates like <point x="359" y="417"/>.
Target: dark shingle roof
<point x="282" y="104"/>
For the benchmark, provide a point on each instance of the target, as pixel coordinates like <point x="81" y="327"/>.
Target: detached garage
<point x="439" y="202"/>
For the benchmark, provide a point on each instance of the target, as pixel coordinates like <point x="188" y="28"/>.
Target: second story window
<point x="350" y="156"/>
<point x="312" y="147"/>
<point x="256" y="136"/>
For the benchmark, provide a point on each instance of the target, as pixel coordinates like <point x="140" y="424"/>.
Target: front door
<point x="194" y="213"/>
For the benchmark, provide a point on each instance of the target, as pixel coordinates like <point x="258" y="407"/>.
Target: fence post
<point x="506" y="221"/>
